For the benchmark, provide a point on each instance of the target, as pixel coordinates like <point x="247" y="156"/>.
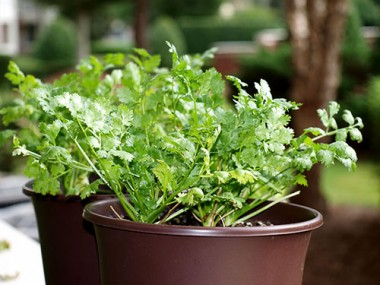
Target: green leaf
<point x="90" y="189"/>
<point x="57" y="169"/>
<point x="315" y="131"/>
<point x="237" y="82"/>
<point x="301" y="180"/>
<point x="324" y="117"/>
<point x="223" y="176"/>
<point x="164" y="175"/>
<point x="15" y="75"/>
<point x="50" y="131"/>
<point x="173" y="51"/>
<point x="347" y="117"/>
<point x="333" y="123"/>
<point x="263" y="89"/>
<point x="116" y="59"/>
<point x="304" y="163"/>
<point x="326" y="157"/>
<point x="343" y="150"/>
<point x="126" y="156"/>
<point x="359" y="123"/>
<point x="243" y="176"/>
<point x="132" y="76"/>
<point x="152" y="63"/>
<point x="333" y="108"/>
<point x="5" y="135"/>
<point x="341" y="135"/>
<point x="355" y="134"/>
<point x="236" y="202"/>
<point x="190" y="197"/>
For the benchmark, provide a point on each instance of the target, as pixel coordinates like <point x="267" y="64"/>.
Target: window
<point x="4" y="30"/>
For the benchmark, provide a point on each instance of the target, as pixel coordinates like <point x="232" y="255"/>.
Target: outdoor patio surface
<point x="344" y="251"/>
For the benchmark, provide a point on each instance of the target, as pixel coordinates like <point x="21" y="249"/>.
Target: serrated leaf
<point x="57" y="169"/>
<point x="324" y="117"/>
<point x="348" y="163"/>
<point x="301" y="180"/>
<point x="243" y="176"/>
<point x="355" y="135"/>
<point x="304" y="163"/>
<point x="132" y="76"/>
<point x="326" y="157"/>
<point x="223" y="176"/>
<point x="236" y="202"/>
<point x="164" y="175"/>
<point x="6" y="135"/>
<point x="90" y="189"/>
<point x="152" y="63"/>
<point x="359" y="123"/>
<point x="122" y="154"/>
<point x="114" y="59"/>
<point x="110" y="142"/>
<point x="15" y="75"/>
<point x="333" y="108"/>
<point x="343" y="150"/>
<point x="191" y="196"/>
<point x="341" y="135"/>
<point x="315" y="131"/>
<point x="50" y="131"/>
<point x="333" y="124"/>
<point x="347" y="117"/>
<point x="94" y="142"/>
<point x="263" y="89"/>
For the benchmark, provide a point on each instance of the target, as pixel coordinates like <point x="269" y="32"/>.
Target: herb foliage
<point x="164" y="141"/>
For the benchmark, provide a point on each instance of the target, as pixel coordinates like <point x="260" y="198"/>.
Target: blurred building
<point x="20" y="22"/>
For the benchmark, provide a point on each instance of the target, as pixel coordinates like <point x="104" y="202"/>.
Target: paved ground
<point x="15" y="208"/>
<point x="344" y="251"/>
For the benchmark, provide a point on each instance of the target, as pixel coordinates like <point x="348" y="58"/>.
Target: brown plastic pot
<point x="68" y="244"/>
<point x="146" y="254"/>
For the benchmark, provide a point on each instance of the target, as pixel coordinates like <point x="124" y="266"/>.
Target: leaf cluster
<point x="164" y="141"/>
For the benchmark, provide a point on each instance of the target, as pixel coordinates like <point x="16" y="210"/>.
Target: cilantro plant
<point x="164" y="140"/>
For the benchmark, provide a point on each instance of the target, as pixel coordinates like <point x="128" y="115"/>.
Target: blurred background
<point x="311" y="51"/>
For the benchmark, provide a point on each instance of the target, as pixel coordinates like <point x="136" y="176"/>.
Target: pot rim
<point x="313" y="220"/>
<point x="28" y="190"/>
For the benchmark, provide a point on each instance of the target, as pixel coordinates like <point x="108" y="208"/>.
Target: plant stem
<point x="262" y="209"/>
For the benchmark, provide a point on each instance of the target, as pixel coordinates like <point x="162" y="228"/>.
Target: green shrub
<point x="4" y="61"/>
<point x="202" y="32"/>
<point x="105" y="47"/>
<point x="369" y="11"/>
<point x="355" y="55"/>
<point x="194" y="8"/>
<point x="373" y="115"/>
<point x="166" y="29"/>
<point x="57" y="43"/>
<point x="272" y="65"/>
<point x="375" y="58"/>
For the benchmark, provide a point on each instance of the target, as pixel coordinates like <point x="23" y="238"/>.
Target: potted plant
<point x="188" y="170"/>
<point x="58" y="192"/>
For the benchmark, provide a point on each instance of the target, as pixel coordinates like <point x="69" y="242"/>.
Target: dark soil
<point x="346" y="249"/>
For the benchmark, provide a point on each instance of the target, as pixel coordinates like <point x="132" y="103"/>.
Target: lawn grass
<point x="361" y="187"/>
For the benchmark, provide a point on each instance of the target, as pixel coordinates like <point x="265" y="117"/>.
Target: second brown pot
<point x="68" y="245"/>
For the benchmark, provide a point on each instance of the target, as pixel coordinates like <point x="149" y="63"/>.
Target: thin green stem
<point x="153" y="216"/>
<point x="262" y="209"/>
<point x="114" y="185"/>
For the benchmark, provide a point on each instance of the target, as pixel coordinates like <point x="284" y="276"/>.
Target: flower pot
<point x="68" y="245"/>
<point x="137" y="253"/>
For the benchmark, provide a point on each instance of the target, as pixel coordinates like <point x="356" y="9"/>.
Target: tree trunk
<point x="83" y="34"/>
<point x="316" y="33"/>
<point x="141" y="23"/>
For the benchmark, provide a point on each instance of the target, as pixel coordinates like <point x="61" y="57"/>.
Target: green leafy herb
<point x="165" y="142"/>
